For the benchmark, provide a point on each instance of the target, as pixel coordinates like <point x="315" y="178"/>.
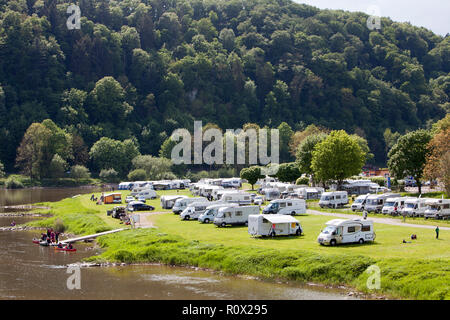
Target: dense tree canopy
<point x="140" y="69"/>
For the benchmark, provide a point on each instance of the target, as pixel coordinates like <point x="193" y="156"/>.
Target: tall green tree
<point x="288" y="172"/>
<point x="408" y="156"/>
<point x="251" y="174"/>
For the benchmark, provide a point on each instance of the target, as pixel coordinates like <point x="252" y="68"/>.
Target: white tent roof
<point x="279" y="218"/>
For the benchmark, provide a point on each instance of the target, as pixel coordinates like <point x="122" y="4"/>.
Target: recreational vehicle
<point x="147" y="194"/>
<point x="195" y="209"/>
<point x="360" y="201"/>
<point x="347" y="231"/>
<point x="211" y="212"/>
<point x="181" y="204"/>
<point x="333" y="199"/>
<point x="231" y="183"/>
<point x="437" y="209"/>
<point x="136" y="190"/>
<point x="271" y="194"/>
<point x="207" y="190"/>
<point x="273" y="225"/>
<point x="415" y="207"/>
<point x="234" y="215"/>
<point x="167" y="202"/>
<point x="394" y="206"/>
<point x="375" y="202"/>
<point x="286" y="206"/>
<point x="241" y="198"/>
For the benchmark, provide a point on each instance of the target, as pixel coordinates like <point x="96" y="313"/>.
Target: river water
<point x="29" y="271"/>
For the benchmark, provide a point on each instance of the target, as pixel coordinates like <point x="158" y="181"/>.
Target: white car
<point x="258" y="200"/>
<point x="129" y="199"/>
<point x="142" y="199"/>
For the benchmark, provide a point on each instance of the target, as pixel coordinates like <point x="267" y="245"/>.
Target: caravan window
<point x="446" y="206"/>
<point x="351" y="229"/>
<point x="238" y="213"/>
<point x="265" y="221"/>
<point x="289" y="204"/>
<point x="365" y="228"/>
<point x="282" y="204"/>
<point x="338" y="197"/>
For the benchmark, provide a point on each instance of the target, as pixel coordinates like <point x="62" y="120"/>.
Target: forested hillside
<point x="141" y="68"/>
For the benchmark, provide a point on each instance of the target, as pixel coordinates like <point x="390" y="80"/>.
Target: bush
<point x="109" y="175"/>
<point x="137" y="175"/>
<point x="12" y="183"/>
<point x="58" y="167"/>
<point x="59" y="226"/>
<point x="302" y="180"/>
<point x="80" y="172"/>
<point x="2" y="170"/>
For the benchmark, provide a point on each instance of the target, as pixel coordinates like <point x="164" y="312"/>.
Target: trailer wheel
<point x="361" y="241"/>
<point x="333" y="242"/>
<point x="206" y="220"/>
<point x="223" y="224"/>
<point x="187" y="218"/>
<point x="293" y="213"/>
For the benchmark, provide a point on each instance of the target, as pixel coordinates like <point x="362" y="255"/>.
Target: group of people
<point x="50" y="236"/>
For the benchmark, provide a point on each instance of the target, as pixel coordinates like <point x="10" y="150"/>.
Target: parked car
<point x="128" y="199"/>
<point x="139" y="206"/>
<point x="142" y="199"/>
<point x="258" y="200"/>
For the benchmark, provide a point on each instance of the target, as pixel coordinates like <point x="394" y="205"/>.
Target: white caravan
<point x="437" y="208"/>
<point x="167" y="202"/>
<point x="375" y="202"/>
<point x="286" y="206"/>
<point x="333" y="199"/>
<point x="206" y="190"/>
<point x="195" y="209"/>
<point x="234" y="215"/>
<point x="273" y="225"/>
<point x="394" y="206"/>
<point x="136" y="190"/>
<point x="147" y="194"/>
<point x="360" y="201"/>
<point x="241" y="198"/>
<point x="271" y="194"/>
<point x="181" y="204"/>
<point x="211" y="212"/>
<point x="347" y="231"/>
<point x="415" y="207"/>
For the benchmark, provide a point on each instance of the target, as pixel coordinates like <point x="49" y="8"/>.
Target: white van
<point x="211" y="212"/>
<point x="437" y="208"/>
<point x="234" y="215"/>
<point x="241" y="198"/>
<point x="167" y="202"/>
<point x="286" y="206"/>
<point x="333" y="199"/>
<point x="273" y="225"/>
<point x="347" y="231"/>
<point x="195" y="209"/>
<point x="375" y="202"/>
<point x="394" y="206"/>
<point x="360" y="201"/>
<point x="181" y="204"/>
<point x="415" y="207"/>
<point x="147" y="194"/>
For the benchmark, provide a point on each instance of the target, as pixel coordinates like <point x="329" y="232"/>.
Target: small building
<point x="112" y="198"/>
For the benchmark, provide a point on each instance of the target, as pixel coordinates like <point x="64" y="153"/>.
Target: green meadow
<point x="417" y="270"/>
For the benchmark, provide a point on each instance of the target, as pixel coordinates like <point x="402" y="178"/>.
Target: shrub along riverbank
<point x="418" y="270"/>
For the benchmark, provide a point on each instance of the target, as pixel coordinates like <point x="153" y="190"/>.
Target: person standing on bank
<point x="437" y="232"/>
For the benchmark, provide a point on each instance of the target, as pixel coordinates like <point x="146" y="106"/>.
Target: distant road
<point x="390" y="221"/>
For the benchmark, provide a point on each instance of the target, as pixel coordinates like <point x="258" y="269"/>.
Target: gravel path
<point x="145" y="219"/>
<point x="389" y="221"/>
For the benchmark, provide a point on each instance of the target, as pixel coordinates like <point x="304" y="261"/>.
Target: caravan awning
<point x="279" y="218"/>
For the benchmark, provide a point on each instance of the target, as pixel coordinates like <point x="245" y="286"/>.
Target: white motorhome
<point x="234" y="215"/>
<point x="286" y="206"/>
<point x="271" y="194"/>
<point x="375" y="202"/>
<point x="273" y="225"/>
<point x="167" y="202"/>
<point x="415" y="207"/>
<point x="437" y="208"/>
<point x="136" y="190"/>
<point x="394" y="206"/>
<point x="195" y="209"/>
<point x="339" y="231"/>
<point x="308" y="193"/>
<point x="206" y="190"/>
<point x="360" y="201"/>
<point x="211" y="212"/>
<point x="181" y="204"/>
<point x="147" y="194"/>
<point x="231" y="183"/>
<point x="333" y="199"/>
<point x="241" y="198"/>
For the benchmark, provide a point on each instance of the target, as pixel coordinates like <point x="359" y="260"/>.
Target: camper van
<point x="232" y="183"/>
<point x="273" y="225"/>
<point x="394" y="206"/>
<point x="211" y="212"/>
<point x="375" y="202"/>
<point x="437" y="208"/>
<point x="271" y="194"/>
<point x="234" y="215"/>
<point x="241" y="198"/>
<point x="147" y="194"/>
<point x="206" y="190"/>
<point x="333" y="199"/>
<point x="360" y="201"/>
<point x="286" y="206"/>
<point x="136" y="190"/>
<point x="195" y="209"/>
<point x="181" y="204"/>
<point x="339" y="231"/>
<point x="415" y="207"/>
<point x="167" y="202"/>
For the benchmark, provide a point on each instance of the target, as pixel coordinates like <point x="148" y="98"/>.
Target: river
<point x="29" y="271"/>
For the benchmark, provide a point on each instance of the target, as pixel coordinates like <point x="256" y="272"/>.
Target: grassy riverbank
<point x="419" y="270"/>
<point x="17" y="181"/>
